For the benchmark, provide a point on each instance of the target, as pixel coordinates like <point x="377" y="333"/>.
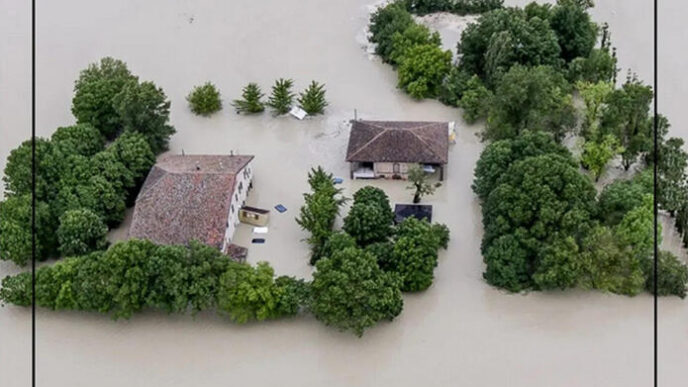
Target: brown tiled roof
<point x="186" y="198"/>
<point x="399" y="141"/>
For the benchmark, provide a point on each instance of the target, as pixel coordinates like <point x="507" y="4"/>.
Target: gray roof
<point x="399" y="141"/>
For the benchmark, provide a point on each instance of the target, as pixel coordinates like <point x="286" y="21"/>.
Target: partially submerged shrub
<point x="282" y="97"/>
<point x="205" y="100"/>
<point x="312" y="100"/>
<point x="250" y="101"/>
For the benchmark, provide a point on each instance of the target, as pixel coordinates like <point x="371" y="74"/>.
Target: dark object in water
<point x="258" y="240"/>
<point x="280" y="208"/>
<point x="418" y="211"/>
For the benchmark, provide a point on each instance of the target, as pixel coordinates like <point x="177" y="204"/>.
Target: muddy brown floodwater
<point x="460" y="332"/>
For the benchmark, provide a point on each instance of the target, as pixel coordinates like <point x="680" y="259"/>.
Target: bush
<point x="80" y="232"/>
<point x="672" y="276"/>
<point x="350" y="291"/>
<point x="282" y="97"/>
<point x="251" y="100"/>
<point x="205" y="100"/>
<point x="422" y="70"/>
<point x="453" y="86"/>
<point x="312" y="100"/>
<point x="95" y="91"/>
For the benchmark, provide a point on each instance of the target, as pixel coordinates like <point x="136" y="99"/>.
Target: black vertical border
<point x="33" y="193"/>
<point x="656" y="252"/>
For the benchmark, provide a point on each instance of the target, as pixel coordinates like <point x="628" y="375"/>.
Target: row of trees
<point x="311" y="100"/>
<point x="137" y="274"/>
<point x="362" y="269"/>
<point x="82" y="185"/>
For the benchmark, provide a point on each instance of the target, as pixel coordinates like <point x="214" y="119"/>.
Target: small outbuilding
<point x="254" y="216"/>
<point x="388" y="149"/>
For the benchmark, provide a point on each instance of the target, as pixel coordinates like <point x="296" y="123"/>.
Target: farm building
<point x="388" y="149"/>
<point x="193" y="197"/>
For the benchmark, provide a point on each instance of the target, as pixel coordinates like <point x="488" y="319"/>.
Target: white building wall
<point x="241" y="187"/>
<point x="387" y="169"/>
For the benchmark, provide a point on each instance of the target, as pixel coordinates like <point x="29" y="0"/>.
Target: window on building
<point x="241" y="186"/>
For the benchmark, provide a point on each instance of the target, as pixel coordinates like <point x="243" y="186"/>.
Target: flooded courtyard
<point x="459" y="332"/>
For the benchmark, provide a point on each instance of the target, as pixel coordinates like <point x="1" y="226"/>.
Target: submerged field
<point x="459" y="332"/>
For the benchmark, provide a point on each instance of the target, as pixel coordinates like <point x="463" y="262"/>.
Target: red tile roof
<point x="187" y="197"/>
<point x="399" y="141"/>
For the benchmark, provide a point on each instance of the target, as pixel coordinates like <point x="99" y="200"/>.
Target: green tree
<point x="413" y="35"/>
<point x="320" y="210"/>
<point x="558" y="264"/>
<point x="636" y="229"/>
<point x="132" y="150"/>
<point x="594" y="96"/>
<point x="107" y="165"/>
<point x="422" y="70"/>
<point x="15" y="230"/>
<point x="535" y="98"/>
<point x="414" y="253"/>
<point x="312" y="100"/>
<point x="81" y="139"/>
<point x="95" y="91"/>
<point x="80" y="232"/>
<point x="384" y="23"/>
<point x="251" y="100"/>
<point x="499" y="155"/>
<point x="576" y="32"/>
<point x="596" y="155"/>
<point x="18" y="170"/>
<point x="475" y="101"/>
<point x="374" y="196"/>
<point x="453" y="86"/>
<point x="96" y="194"/>
<point x="367" y="223"/>
<point x="512" y="38"/>
<point x="350" y="291"/>
<point x="144" y="108"/>
<point x="508" y="263"/>
<point x="205" y="99"/>
<point x="672" y="276"/>
<point x="539" y="202"/>
<point x="598" y="66"/>
<point x="247" y="293"/>
<point x="619" y="197"/>
<point x="627" y="118"/>
<point x="609" y="265"/>
<point x="671" y="177"/>
<point x="282" y="97"/>
<point x="419" y="183"/>
<point x="168" y="279"/>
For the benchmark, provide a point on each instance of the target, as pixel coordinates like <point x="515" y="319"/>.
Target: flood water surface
<point x="460" y="332"/>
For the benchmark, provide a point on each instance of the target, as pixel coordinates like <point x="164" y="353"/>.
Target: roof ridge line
<point x="383" y="131"/>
